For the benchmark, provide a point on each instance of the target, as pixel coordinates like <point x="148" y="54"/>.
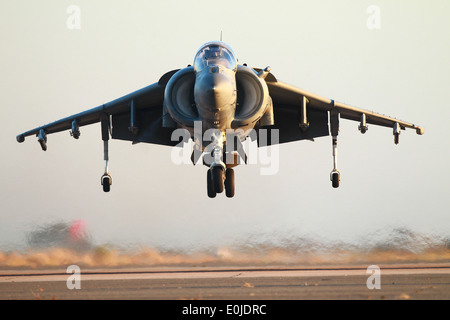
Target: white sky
<point x="49" y="72"/>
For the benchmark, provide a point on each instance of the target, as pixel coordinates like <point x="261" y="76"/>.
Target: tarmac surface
<point x="414" y="281"/>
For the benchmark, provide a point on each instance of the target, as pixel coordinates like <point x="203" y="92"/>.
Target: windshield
<point x="214" y="54"/>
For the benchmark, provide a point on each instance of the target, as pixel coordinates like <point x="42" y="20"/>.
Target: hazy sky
<point x="49" y="71"/>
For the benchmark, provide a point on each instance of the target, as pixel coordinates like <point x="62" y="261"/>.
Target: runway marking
<point x="197" y="273"/>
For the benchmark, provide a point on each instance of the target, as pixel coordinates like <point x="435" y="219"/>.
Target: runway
<point x="414" y="281"/>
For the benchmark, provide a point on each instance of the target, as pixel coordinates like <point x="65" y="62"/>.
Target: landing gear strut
<point x="106" y="179"/>
<point x="220" y="176"/>
<point x="335" y="175"/>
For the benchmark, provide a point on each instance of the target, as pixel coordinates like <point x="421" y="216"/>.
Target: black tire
<point x="218" y="178"/>
<point x="335" y="179"/>
<point x="106" y="184"/>
<point x="229" y="183"/>
<point x="210" y="184"/>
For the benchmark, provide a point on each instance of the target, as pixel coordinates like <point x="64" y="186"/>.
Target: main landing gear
<point x="220" y="179"/>
<point x="220" y="176"/>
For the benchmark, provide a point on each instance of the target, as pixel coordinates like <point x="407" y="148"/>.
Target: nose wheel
<point x="218" y="180"/>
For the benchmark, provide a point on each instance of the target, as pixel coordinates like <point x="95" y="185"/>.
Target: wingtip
<point x="420" y="130"/>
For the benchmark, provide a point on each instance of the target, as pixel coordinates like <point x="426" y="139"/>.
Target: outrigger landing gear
<point x="106" y="179"/>
<point x="335" y="175"/>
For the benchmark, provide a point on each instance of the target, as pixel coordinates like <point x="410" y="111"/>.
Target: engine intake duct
<point x="179" y="105"/>
<point x="253" y="100"/>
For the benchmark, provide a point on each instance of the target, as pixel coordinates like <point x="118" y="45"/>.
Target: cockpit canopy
<point x="215" y="53"/>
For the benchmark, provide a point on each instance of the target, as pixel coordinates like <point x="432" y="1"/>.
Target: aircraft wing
<point x="147" y="108"/>
<point x="286" y="94"/>
<point x="288" y="108"/>
<point x="291" y="97"/>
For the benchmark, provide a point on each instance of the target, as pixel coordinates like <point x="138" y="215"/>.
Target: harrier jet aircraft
<point x="219" y="103"/>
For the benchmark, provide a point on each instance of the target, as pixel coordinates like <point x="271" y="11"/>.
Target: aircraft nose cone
<point x="219" y="88"/>
<point x="214" y="91"/>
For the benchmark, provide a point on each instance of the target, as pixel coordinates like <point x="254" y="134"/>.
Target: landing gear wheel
<point x="229" y="183"/>
<point x="218" y="178"/>
<point x="106" y="183"/>
<point x="335" y="177"/>
<point x="210" y="184"/>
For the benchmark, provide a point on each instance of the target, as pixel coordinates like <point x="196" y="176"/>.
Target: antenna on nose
<point x="221" y="36"/>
